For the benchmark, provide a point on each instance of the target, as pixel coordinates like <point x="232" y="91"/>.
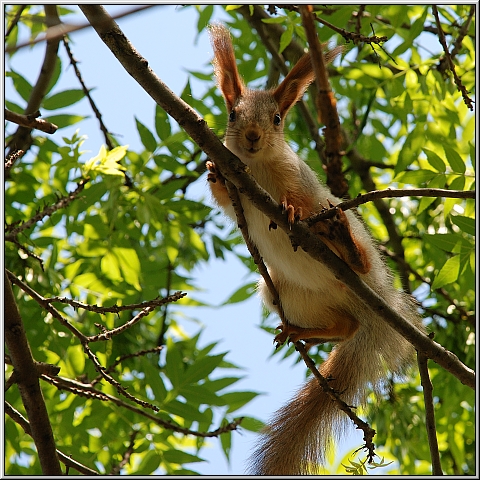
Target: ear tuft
<point x="224" y="65"/>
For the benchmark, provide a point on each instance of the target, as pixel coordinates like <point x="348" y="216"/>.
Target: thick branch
<point x="237" y="172"/>
<point x="26" y="377"/>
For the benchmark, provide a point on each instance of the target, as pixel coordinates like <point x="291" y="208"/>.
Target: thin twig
<point x="86" y="390"/>
<point x="368" y="432"/>
<point x="47" y="211"/>
<point x="126" y="456"/>
<point x="15" y="20"/>
<point x="156" y="302"/>
<point x="86" y="92"/>
<point x="12" y="157"/>
<point x="392" y="193"/>
<point x="112" y="367"/>
<point x="458" y="82"/>
<point x="21" y="139"/>
<point x="120" y="388"/>
<point x="59" y="31"/>
<point x="429" y="413"/>
<point x="43" y="303"/>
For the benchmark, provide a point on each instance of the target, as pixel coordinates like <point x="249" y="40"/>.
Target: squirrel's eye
<point x="233" y="116"/>
<point x="277" y="119"/>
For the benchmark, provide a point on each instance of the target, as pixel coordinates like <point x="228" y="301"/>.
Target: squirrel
<point x="319" y="307"/>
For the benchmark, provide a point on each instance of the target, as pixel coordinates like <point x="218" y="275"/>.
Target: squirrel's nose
<point x="253" y="134"/>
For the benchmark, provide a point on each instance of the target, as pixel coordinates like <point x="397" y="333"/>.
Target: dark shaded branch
<point x="26" y="377"/>
<point x="30" y="121"/>
<point x="17" y="417"/>
<point x="237" y="172"/>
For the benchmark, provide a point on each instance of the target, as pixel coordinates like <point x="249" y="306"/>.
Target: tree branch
<point x="237" y="172"/>
<point x="30" y="121"/>
<point x="458" y="82"/>
<point x="429" y="413"/>
<point x="47" y="211"/>
<point x="391" y="193"/>
<point x="326" y="107"/>
<point x="26" y="377"/>
<point x="87" y="390"/>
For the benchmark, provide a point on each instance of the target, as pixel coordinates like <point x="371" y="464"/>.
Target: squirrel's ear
<point x="224" y="65"/>
<point x="297" y="81"/>
<point x="294" y="84"/>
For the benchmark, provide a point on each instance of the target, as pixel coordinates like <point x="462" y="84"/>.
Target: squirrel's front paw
<point x="294" y="213"/>
<point x="213" y="173"/>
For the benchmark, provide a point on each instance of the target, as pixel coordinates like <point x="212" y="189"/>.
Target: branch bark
<point x="26" y="377"/>
<point x="237" y="172"/>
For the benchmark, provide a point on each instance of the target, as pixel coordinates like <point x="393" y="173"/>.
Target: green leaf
<point x="76" y="360"/>
<point x="226" y="440"/>
<point x="252" y="424"/>
<point x="241" y="294"/>
<point x="466" y="224"/>
<point x="435" y="161"/>
<point x="236" y="400"/>
<point x="415" y="177"/>
<point x="62" y="99"/>
<point x="454" y="159"/>
<point x="146" y="136"/>
<point x="179" y="457"/>
<point x="162" y="123"/>
<point x="202" y="368"/>
<point x="446" y="241"/>
<point x="286" y="38"/>
<point x="65" y="120"/>
<point x="22" y="86"/>
<point x="448" y="273"/>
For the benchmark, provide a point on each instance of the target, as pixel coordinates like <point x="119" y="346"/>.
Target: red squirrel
<point x="319" y="308"/>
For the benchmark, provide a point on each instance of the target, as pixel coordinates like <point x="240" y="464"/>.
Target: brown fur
<point x="316" y="304"/>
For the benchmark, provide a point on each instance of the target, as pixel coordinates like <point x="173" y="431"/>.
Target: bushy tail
<point x="301" y="432"/>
